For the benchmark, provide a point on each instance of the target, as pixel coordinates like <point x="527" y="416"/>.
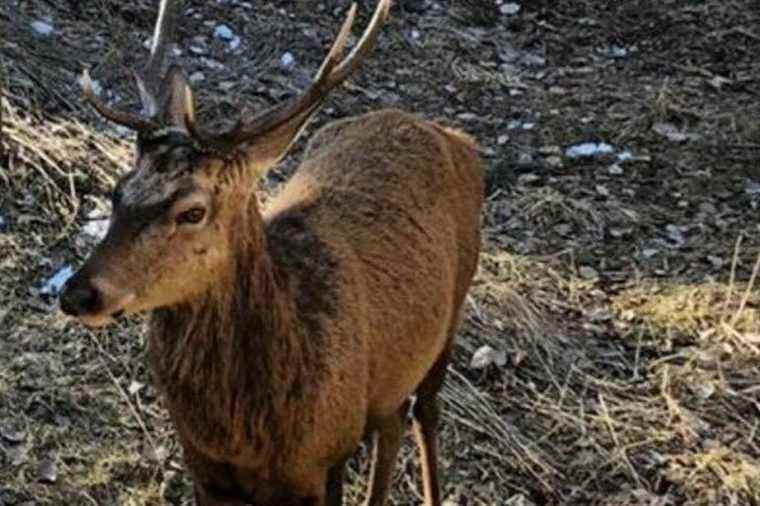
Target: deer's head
<point x="169" y="233"/>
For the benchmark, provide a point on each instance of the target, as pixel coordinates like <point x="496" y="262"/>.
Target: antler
<point x="149" y="83"/>
<point x="331" y="74"/>
<point x="127" y="119"/>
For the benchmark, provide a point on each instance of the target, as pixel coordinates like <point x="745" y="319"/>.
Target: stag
<point x="283" y="335"/>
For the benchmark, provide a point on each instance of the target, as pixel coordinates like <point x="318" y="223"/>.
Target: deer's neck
<point x="232" y="363"/>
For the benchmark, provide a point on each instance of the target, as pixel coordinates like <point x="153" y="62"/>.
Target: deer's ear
<point x="180" y="105"/>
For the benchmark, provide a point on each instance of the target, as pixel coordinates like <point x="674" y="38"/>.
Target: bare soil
<point x="620" y="291"/>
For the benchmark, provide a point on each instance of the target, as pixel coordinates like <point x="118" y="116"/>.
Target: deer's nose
<point x="79" y="299"/>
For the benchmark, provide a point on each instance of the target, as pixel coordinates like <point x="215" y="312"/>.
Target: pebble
<point x="486" y="355"/>
<point x="510" y="8"/>
<point x="615" y="170"/>
<point x="587" y="149"/>
<point x="224" y="32"/>
<point x="287" y="60"/>
<point x="42" y="28"/>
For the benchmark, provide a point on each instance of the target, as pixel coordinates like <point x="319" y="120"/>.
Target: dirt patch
<point x="620" y="287"/>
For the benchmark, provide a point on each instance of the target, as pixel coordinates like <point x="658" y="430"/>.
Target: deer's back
<point x="397" y="201"/>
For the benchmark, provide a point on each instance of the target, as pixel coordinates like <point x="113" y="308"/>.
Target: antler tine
<point x="133" y="121"/>
<point x="148" y="83"/>
<point x="336" y="50"/>
<point x="332" y="72"/>
<point x="163" y="33"/>
<point x="363" y="47"/>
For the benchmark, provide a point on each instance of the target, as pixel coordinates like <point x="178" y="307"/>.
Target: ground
<point x="617" y="294"/>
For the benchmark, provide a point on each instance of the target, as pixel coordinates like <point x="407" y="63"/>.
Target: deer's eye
<point x="192" y="216"/>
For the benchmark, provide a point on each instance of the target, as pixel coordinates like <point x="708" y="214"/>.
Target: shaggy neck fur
<point x="232" y="362"/>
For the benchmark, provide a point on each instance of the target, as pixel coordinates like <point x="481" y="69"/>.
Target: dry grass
<point x="636" y="387"/>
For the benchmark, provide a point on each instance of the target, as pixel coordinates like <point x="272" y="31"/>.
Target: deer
<point x="283" y="335"/>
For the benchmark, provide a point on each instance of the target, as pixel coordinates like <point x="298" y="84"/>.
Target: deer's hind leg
<point x="387" y="441"/>
<point x="425" y="415"/>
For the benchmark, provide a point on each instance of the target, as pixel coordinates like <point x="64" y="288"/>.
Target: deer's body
<point x="281" y="337"/>
<point x="368" y="256"/>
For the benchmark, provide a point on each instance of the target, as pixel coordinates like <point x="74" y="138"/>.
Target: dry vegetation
<point x="624" y="294"/>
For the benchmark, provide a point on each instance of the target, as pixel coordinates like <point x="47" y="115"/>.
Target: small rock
<point x="42" y="28"/>
<point x="615" y="170"/>
<point x="615" y="51"/>
<point x="485" y="356"/>
<point x="627" y="156"/>
<point x="287" y="60"/>
<point x="716" y="262"/>
<point x="509" y="8"/>
<point x="588" y="149"/>
<point x="501" y="140"/>
<point x="557" y="90"/>
<point x="48" y="471"/>
<point x="224" y="32"/>
<point x="587" y="272"/>
<point x="617" y="233"/>
<point x="95" y="228"/>
<point x="197" y="77"/>
<point x="197" y="50"/>
<point x="602" y="190"/>
<point x="134" y="387"/>
<point x="52" y="286"/>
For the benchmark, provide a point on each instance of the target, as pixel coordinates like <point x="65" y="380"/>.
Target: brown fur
<point x="340" y="298"/>
<point x="280" y="338"/>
